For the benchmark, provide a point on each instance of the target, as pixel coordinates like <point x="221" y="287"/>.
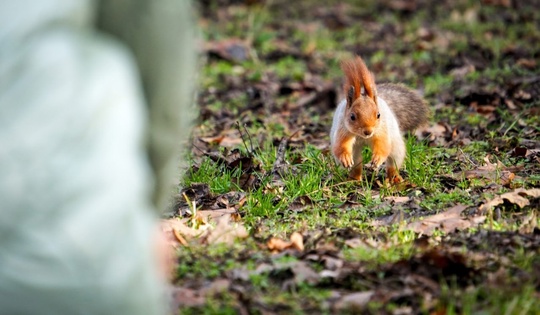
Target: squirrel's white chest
<point x="388" y="122"/>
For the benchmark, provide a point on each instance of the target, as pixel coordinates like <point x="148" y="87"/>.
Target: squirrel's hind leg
<point x="392" y="173"/>
<point x="395" y="161"/>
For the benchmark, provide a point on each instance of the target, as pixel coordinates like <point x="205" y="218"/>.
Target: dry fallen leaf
<point x="529" y="223"/>
<point x="398" y="199"/>
<point x="436" y="133"/>
<point x="297" y="241"/>
<point x="516" y="197"/>
<point x="179" y="237"/>
<point x="447" y="221"/>
<point x="226" y="231"/>
<point x="301" y="203"/>
<point x="304" y="273"/>
<point x="222" y="140"/>
<point x="354" y="301"/>
<point x="185" y="297"/>
<point x="215" y="214"/>
<point x="278" y="245"/>
<point x="491" y="172"/>
<point x="504" y="3"/>
<point x="231" y="49"/>
<point x="176" y="231"/>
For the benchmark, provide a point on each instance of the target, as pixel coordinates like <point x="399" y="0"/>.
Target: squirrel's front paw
<point x="346" y="159"/>
<point x="377" y="161"/>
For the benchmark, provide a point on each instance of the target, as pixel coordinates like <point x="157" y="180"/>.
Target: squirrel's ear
<point x="350" y="96"/>
<point x="372" y="92"/>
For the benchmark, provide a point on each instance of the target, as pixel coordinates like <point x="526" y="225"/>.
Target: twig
<point x="512" y="125"/>
<point x="180" y="238"/>
<point x="249" y="136"/>
<point x="280" y="155"/>
<point x="196" y="147"/>
<point x="244" y="140"/>
<point x="467" y="158"/>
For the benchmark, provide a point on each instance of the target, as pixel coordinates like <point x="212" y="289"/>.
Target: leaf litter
<point x="292" y="108"/>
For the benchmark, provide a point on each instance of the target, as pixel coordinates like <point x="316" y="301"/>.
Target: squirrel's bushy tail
<point x="409" y="107"/>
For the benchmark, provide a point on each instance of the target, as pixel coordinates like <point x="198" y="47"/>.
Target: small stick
<point x="239" y="128"/>
<point x="280" y="155"/>
<point x="249" y="136"/>
<point x="180" y="238"/>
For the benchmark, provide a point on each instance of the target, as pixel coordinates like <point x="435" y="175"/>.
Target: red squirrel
<point x="375" y="116"/>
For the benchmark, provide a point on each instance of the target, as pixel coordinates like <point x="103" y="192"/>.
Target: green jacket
<point x="96" y="98"/>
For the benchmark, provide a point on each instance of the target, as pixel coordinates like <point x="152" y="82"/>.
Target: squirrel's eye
<point x="353" y="117"/>
<point x="378" y="115"/>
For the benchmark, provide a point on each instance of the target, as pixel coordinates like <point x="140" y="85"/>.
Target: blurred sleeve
<point x="77" y="229"/>
<point x="162" y="35"/>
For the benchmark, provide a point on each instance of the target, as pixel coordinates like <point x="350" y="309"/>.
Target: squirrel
<point x="375" y="116"/>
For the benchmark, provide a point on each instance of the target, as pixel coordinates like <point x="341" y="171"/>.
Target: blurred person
<point x="95" y="99"/>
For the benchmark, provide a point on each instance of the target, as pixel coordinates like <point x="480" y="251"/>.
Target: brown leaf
<point x="217" y="286"/>
<point x="231" y="49"/>
<point x="504" y="3"/>
<point x="226" y="231"/>
<point x="300" y="203"/>
<point x="297" y="241"/>
<point x="529" y="223"/>
<point x="364" y="242"/>
<point x="491" y="172"/>
<point x="304" y="273"/>
<point x="354" y="242"/>
<point x="516" y="197"/>
<point x="222" y="140"/>
<point x="184" y="297"/>
<point x="216" y="214"/>
<point x="485" y="110"/>
<point x="396" y="217"/>
<point x="461" y="72"/>
<point x="520" y="152"/>
<point x="527" y="63"/>
<point x="353" y="301"/>
<point x="278" y="245"/>
<point x="436" y="133"/>
<point x="398" y="199"/>
<point x="402" y="5"/>
<point x="196" y="192"/>
<point x="172" y="228"/>
<point x="447" y="221"/>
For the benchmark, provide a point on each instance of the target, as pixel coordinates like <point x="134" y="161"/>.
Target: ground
<point x="266" y="222"/>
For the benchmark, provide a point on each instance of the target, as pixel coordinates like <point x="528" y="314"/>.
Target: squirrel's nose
<point x="367" y="132"/>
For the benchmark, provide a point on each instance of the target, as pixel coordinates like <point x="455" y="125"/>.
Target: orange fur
<point x="392" y="174"/>
<point x="380" y="145"/>
<point x="343" y="148"/>
<point x="357" y="75"/>
<point x="361" y="120"/>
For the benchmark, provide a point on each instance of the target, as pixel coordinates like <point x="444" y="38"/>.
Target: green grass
<point x="218" y="178"/>
<point x="312" y="172"/>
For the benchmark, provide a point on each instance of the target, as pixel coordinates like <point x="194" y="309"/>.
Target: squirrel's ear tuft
<point x="367" y="79"/>
<point x="350" y="96"/>
<point x="353" y="80"/>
